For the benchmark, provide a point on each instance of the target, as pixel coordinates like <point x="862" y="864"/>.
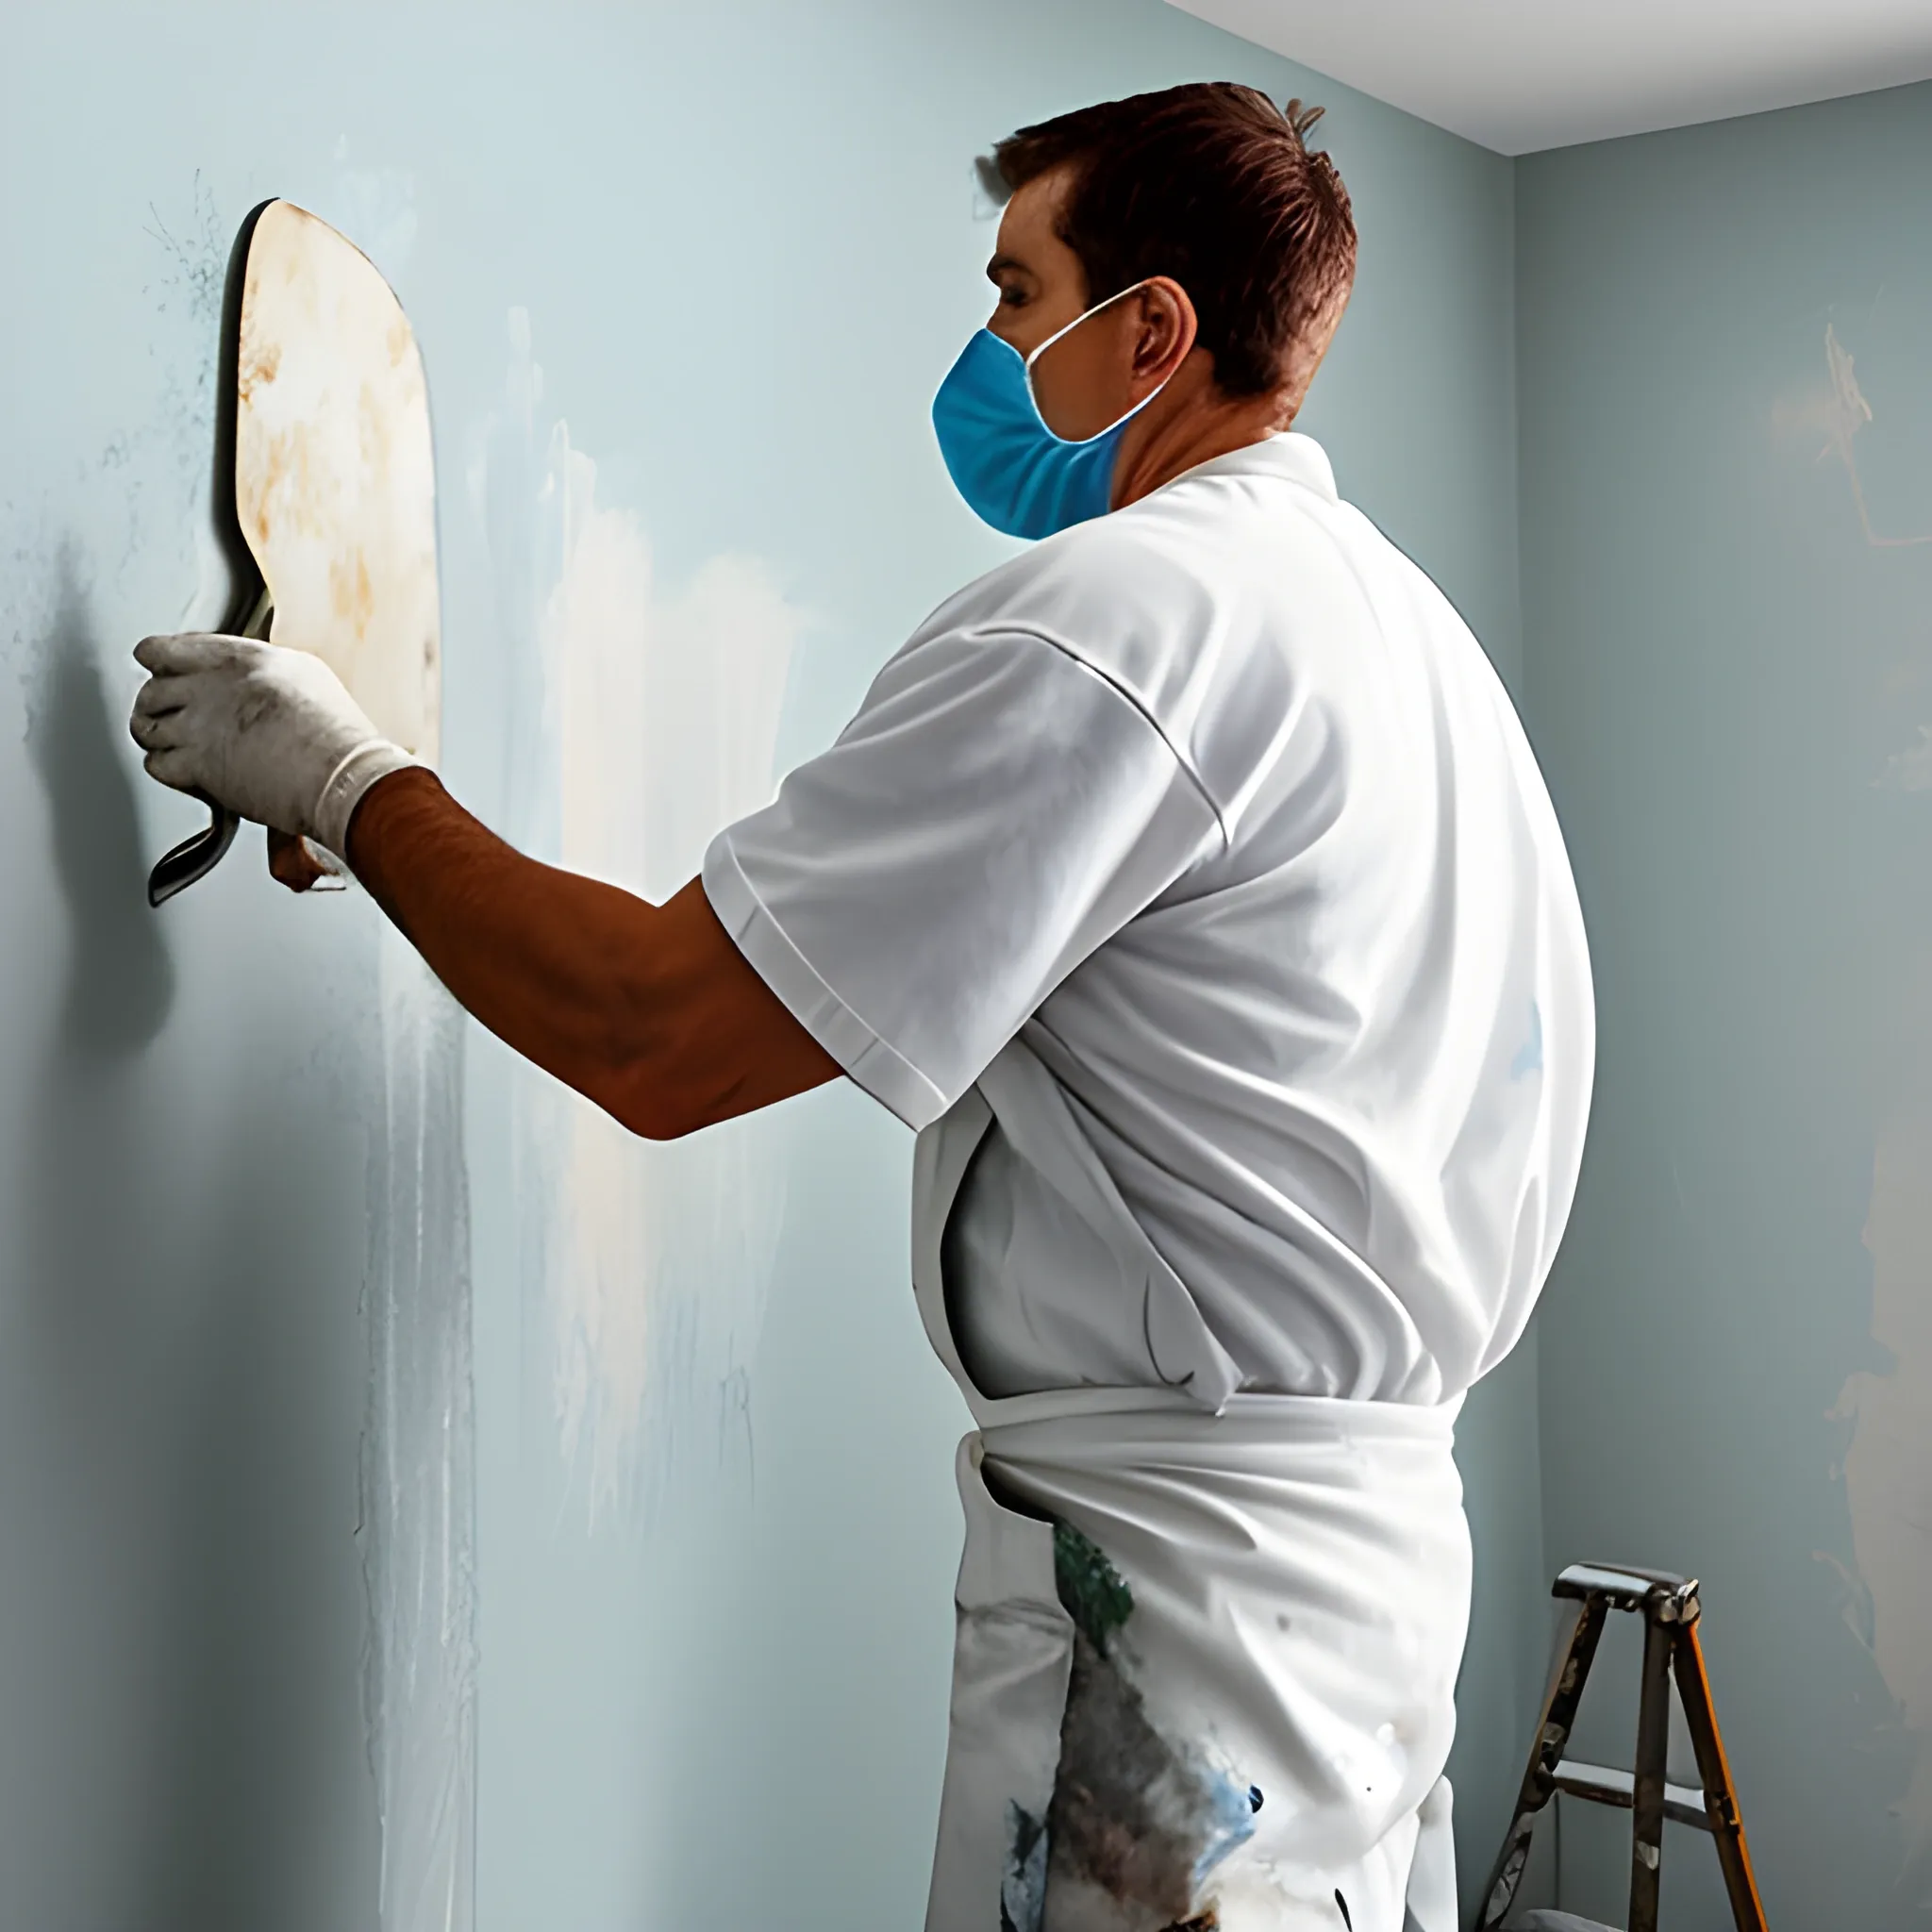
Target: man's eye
<point x="1011" y="297"/>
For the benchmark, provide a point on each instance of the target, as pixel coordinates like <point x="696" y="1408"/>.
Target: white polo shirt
<point x="1205" y="840"/>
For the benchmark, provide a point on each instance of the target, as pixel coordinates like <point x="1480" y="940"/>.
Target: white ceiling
<point x="1521" y="75"/>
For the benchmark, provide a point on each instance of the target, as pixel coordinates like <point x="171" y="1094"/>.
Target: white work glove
<point x="267" y="731"/>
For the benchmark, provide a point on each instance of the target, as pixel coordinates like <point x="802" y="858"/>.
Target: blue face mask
<point x="1010" y="468"/>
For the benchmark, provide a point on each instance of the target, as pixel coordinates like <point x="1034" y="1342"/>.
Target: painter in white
<point x="659" y="711"/>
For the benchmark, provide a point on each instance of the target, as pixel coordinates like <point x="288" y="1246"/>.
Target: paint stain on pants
<point x="1138" y="1820"/>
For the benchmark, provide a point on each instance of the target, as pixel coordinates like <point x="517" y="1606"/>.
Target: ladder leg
<point x="1652" y="1748"/>
<point x="1714" y="1771"/>
<point x="1553" y="1732"/>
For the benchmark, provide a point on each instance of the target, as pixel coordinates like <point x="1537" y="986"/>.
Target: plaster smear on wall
<point x="417" y="1527"/>
<point x="659" y="710"/>
<point x="1840" y="410"/>
<point x="1890" y="1411"/>
<point x="1886" y="1465"/>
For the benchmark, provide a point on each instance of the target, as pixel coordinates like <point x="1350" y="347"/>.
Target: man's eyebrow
<point x="1000" y="264"/>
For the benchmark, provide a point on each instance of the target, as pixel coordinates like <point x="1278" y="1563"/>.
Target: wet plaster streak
<point x="654" y="709"/>
<point x="1886" y="1468"/>
<point x="668" y="705"/>
<point x="417" y="1527"/>
<point x="1849" y="412"/>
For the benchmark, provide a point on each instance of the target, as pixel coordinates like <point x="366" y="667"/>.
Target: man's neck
<point x="1191" y="422"/>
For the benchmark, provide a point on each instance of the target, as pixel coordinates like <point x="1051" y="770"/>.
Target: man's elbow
<point x="667" y="1094"/>
<point x="650" y="1109"/>
<point x="667" y="1102"/>
<point x="645" y="1071"/>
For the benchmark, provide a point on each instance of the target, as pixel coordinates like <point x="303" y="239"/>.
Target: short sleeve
<point x="997" y="811"/>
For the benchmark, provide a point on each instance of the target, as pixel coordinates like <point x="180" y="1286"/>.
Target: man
<point x="1188" y="882"/>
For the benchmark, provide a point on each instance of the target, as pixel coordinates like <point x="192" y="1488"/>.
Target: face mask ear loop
<point x="1067" y="329"/>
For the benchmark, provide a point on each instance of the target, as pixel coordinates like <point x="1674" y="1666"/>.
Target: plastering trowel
<point x="325" y="488"/>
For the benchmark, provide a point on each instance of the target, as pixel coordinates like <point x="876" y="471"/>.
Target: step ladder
<point x="1670" y="1609"/>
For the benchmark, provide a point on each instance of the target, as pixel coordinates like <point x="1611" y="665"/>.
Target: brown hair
<point x="1215" y="185"/>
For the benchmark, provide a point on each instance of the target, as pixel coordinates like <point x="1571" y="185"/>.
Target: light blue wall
<point x="745" y="239"/>
<point x="1721" y="675"/>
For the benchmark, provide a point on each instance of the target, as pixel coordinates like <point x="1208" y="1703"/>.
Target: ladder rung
<point x="1602" y="1784"/>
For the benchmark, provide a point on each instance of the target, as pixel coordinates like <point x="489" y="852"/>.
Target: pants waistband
<point x="1059" y="1419"/>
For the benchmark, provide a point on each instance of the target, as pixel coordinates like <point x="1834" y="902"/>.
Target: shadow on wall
<point x="120" y="977"/>
<point x="177" y="1639"/>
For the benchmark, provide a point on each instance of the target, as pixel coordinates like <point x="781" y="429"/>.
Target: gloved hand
<point x="265" y="730"/>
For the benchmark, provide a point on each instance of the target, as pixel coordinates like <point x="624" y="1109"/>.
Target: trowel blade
<point x="335" y="475"/>
<point x="328" y="450"/>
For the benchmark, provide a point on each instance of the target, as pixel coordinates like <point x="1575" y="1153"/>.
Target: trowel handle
<point x="194" y="857"/>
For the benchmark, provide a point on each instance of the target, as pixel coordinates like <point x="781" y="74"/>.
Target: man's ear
<point x="1169" y="327"/>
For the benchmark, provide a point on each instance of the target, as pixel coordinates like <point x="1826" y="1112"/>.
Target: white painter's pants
<point x="1206" y="1664"/>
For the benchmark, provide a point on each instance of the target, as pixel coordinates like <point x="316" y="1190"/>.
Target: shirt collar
<point x="1299" y="458"/>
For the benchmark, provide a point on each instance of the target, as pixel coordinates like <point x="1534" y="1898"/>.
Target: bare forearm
<point x="649" y="1010"/>
<point x="537" y="954"/>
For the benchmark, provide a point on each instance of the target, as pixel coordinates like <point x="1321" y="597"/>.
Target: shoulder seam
<point x="1041" y="635"/>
